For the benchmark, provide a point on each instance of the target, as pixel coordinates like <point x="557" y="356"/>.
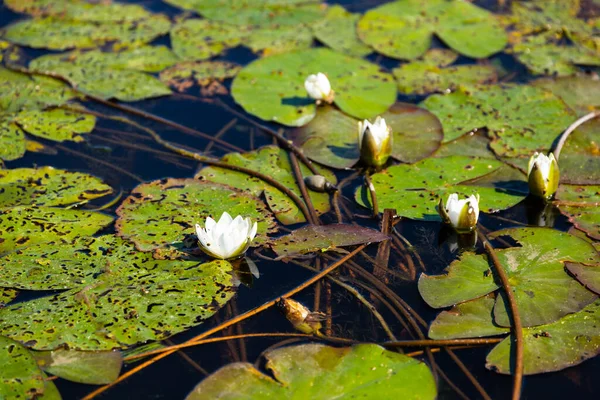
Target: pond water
<point x="124" y="156"/>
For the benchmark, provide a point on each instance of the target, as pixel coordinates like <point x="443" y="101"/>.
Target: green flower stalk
<point x="543" y="175"/>
<point x="375" y="142"/>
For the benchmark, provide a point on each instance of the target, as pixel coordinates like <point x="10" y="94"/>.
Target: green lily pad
<point x="322" y="238"/>
<point x="103" y="75"/>
<point x="255" y="12"/>
<point x="46" y="186"/>
<point x="201" y="39"/>
<point x="20" y="376"/>
<point x="472" y="145"/>
<point x="361" y="88"/>
<point x="332" y="138"/>
<point x="552" y="347"/>
<point x="544" y="292"/>
<point x="315" y="371"/>
<point x="183" y="75"/>
<point x="88" y="367"/>
<point x="429" y="75"/>
<point x="520" y="119"/>
<point x="587" y="274"/>
<point x="583" y="212"/>
<point x="404" y="28"/>
<point x="23" y="226"/>
<point x="7" y="295"/>
<point x="12" y="140"/>
<point x="279" y="39"/>
<point x="75" y="33"/>
<point x="467" y="320"/>
<point x="337" y="30"/>
<point x="579" y="161"/>
<point x="159" y="213"/>
<point x="274" y="162"/>
<point x="56" y="125"/>
<point x="414" y="190"/>
<point x="140" y="303"/>
<point x="580" y="92"/>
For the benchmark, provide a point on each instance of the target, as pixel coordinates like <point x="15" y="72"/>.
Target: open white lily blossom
<point x="318" y="87"/>
<point x="228" y="238"/>
<point x="543" y="175"/>
<point x="462" y="214"/>
<point x="374" y="142"/>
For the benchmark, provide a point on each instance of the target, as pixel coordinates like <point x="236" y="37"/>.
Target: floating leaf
<point x="544" y="292"/>
<point x="20" y="377"/>
<point x="46" y="186"/>
<point x="272" y="88"/>
<point x="414" y="190"/>
<point x="277" y="40"/>
<point x="24" y="226"/>
<point x="470" y="144"/>
<point x="150" y="301"/>
<point x="12" y="140"/>
<point x="580" y="92"/>
<point x="588" y="275"/>
<point x="561" y="344"/>
<point x="274" y="162"/>
<point x="315" y="238"/>
<point x="7" y="295"/>
<point x="338" y="31"/>
<point x="255" y="12"/>
<point x="108" y="75"/>
<point x="201" y="39"/>
<point x="316" y="371"/>
<point x="427" y="75"/>
<point x="159" y="213"/>
<point x="89" y="367"/>
<point x="520" y="119"/>
<point x="404" y="29"/>
<point x="581" y="207"/>
<point x="182" y="75"/>
<point x="332" y="137"/>
<point x="56" y="125"/>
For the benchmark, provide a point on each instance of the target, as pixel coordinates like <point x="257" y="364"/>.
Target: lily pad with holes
<point x="183" y="75"/>
<point x="337" y="30"/>
<point x="279" y="39"/>
<point x="581" y="207"/>
<point x="47" y="186"/>
<point x="201" y="39"/>
<point x="159" y="213"/>
<point x="20" y="376"/>
<point x="56" y="125"/>
<point x="272" y="88"/>
<point x="273" y="162"/>
<point x="12" y="140"/>
<point x="332" y="137"/>
<point x="433" y="74"/>
<point x="24" y="226"/>
<point x="414" y="190"/>
<point x="544" y="292"/>
<point x="555" y="346"/>
<point x="255" y="12"/>
<point x="316" y="371"/>
<point x="404" y="28"/>
<point x="88" y="367"/>
<point x="7" y="295"/>
<point x="142" y="302"/>
<point x="520" y="119"/>
<point x="313" y="238"/>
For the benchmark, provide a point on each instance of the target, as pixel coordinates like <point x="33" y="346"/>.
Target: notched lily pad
<point x="322" y="372"/>
<point x="88" y="367"/>
<point x="20" y="376"/>
<point x="159" y="213"/>
<point x="322" y="238"/>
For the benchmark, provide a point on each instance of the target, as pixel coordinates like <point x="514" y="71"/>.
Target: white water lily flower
<point x="543" y="175"/>
<point x="227" y="238"/>
<point x="462" y="214"/>
<point x="318" y="87"/>
<point x="374" y="142"/>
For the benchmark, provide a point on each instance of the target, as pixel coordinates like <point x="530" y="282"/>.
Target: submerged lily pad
<point x="319" y="372"/>
<point x="274" y="162"/>
<point x="544" y="292"/>
<point x="361" y="88"/>
<point x="414" y="190"/>
<point x="159" y="213"/>
<point x="404" y="28"/>
<point x="89" y="367"/>
<point x="150" y="301"/>
<point x="313" y="238"/>
<point x="332" y="138"/>
<point x="581" y="207"/>
<point x="46" y="186"/>
<point x="338" y="31"/>
<point x="20" y="376"/>
<point x="520" y="119"/>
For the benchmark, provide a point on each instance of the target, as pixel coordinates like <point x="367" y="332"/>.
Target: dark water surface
<point x="107" y="152"/>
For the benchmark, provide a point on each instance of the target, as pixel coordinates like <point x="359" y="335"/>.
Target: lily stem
<point x="565" y="135"/>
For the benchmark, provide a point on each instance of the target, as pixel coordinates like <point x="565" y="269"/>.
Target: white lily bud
<point x="228" y="238"/>
<point x="543" y="175"/>
<point x="374" y="142"/>
<point x="463" y="214"/>
<point x="318" y="87"/>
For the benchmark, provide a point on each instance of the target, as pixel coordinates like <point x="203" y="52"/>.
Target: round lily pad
<point x="159" y="213"/>
<point x="321" y="372"/>
<point x="404" y="28"/>
<point x="361" y="89"/>
<point x="20" y="376"/>
<point x="338" y="31"/>
<point x="332" y="137"/>
<point x="414" y="190"/>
